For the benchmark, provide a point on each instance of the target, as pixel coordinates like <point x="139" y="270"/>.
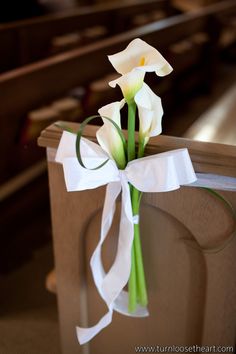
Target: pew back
<point x="187" y="287"/>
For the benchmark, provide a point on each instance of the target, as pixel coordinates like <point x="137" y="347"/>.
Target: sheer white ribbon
<point x="156" y="173"/>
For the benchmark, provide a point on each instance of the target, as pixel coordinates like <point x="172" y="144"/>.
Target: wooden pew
<point x="27" y="41"/>
<point x="191" y="292"/>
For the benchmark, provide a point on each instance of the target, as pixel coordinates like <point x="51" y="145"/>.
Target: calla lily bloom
<point x="138" y="54"/>
<point x="108" y="136"/>
<point x="150" y="113"/>
<point x="129" y="83"/>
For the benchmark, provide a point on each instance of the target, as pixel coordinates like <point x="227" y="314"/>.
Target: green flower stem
<point x="140" y="276"/>
<point x="132" y="284"/>
<point x="137" y="283"/>
<point x="141" y="148"/>
<point x="131" y="130"/>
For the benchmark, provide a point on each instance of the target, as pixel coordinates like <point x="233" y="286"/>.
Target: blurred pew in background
<point x="27" y="41"/>
<point x="187" y="5"/>
<point x="39" y="84"/>
<point x="189" y="41"/>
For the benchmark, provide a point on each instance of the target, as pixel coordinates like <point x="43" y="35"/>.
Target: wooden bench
<point x="27" y="41"/>
<point x="191" y="292"/>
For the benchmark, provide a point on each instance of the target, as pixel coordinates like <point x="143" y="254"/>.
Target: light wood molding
<point x="206" y="157"/>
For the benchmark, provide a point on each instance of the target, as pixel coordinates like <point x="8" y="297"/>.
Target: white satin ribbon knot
<point x="157" y="173"/>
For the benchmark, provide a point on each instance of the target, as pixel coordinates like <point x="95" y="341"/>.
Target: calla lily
<point x="129" y="83"/>
<point x="138" y="54"/>
<point x="108" y="136"/>
<point x="150" y="113"/>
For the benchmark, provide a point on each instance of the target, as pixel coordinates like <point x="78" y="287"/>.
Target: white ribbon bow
<point x="156" y="173"/>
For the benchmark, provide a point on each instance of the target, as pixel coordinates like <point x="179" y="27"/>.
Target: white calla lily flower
<point x="150" y="113"/>
<point x="108" y="136"/>
<point x="139" y="54"/>
<point x="129" y="83"/>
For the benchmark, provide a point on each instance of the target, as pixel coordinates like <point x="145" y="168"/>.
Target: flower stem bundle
<point x="132" y="64"/>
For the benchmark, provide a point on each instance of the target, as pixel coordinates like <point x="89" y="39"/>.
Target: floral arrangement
<point x="121" y="164"/>
<point x="132" y="63"/>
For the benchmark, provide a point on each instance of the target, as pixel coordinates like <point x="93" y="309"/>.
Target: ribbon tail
<point x="122" y="265"/>
<point x="86" y="334"/>
<point x="110" y="285"/>
<point x="118" y="275"/>
<point x="112" y="192"/>
<point x="122" y="303"/>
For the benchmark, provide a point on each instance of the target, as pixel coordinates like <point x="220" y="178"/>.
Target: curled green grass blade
<point x="224" y="200"/>
<point x="64" y="127"/>
<point x="221" y="246"/>
<point x="80" y="133"/>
